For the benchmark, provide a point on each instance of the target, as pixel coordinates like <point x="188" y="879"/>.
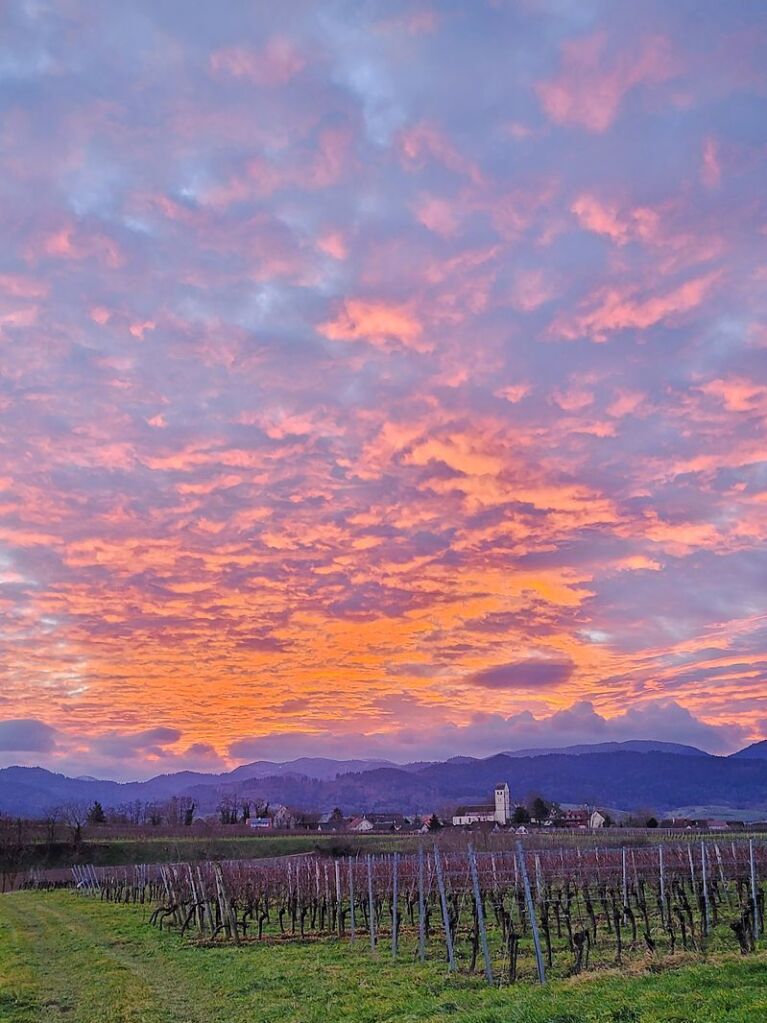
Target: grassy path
<point x="68" y="958"/>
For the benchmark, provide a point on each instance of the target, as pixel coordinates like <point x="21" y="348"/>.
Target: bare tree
<point x="74" y="814"/>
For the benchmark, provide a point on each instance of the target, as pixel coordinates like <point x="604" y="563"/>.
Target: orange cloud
<point x="376" y="322"/>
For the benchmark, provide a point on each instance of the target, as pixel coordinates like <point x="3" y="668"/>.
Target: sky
<point x="380" y="379"/>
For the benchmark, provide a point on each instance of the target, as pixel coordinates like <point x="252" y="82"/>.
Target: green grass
<point x="147" y="847"/>
<point x="65" y="957"/>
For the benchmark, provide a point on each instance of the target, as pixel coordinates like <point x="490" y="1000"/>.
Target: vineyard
<point x="512" y="914"/>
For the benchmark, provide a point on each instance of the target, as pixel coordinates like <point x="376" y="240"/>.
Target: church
<point x="498" y="812"/>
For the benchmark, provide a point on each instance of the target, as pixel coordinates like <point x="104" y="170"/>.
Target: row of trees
<point x="174" y="812"/>
<point x="536" y="809"/>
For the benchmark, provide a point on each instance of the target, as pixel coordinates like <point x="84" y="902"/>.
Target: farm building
<point x="581" y="817"/>
<point x="260" y="823"/>
<point x="384" y="822"/>
<point x="332" y="822"/>
<point x="361" y="824"/>
<point x="498" y="812"/>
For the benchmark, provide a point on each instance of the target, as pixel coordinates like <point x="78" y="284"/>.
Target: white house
<point x="597" y="820"/>
<point x="361" y="824"/>
<point x="498" y="812"/>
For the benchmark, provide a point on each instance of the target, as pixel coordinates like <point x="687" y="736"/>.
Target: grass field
<point x="68" y="958"/>
<point x="176" y="850"/>
<point x="123" y="851"/>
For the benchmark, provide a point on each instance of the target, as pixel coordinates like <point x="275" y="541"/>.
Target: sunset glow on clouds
<point x="380" y="379"/>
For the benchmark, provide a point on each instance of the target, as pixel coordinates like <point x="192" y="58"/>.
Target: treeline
<point x="536" y="809"/>
<point x="63" y="829"/>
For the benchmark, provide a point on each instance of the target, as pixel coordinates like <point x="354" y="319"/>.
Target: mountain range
<point x="625" y="776"/>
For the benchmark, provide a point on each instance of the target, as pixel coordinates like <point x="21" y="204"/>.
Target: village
<point x="534" y="814"/>
<point x="498" y="815"/>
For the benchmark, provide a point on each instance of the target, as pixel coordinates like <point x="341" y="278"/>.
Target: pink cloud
<point x="591" y="84"/>
<point x="683" y="240"/>
<point x="738" y="395"/>
<point x="711" y="168"/>
<point x="626" y="403"/>
<point x="100" y="314"/>
<point x="271" y="67"/>
<point x="621" y="308"/>
<point x="413" y="23"/>
<point x="438" y="215"/>
<point x="76" y="243"/>
<point x="140" y="328"/>
<point x="24" y="317"/>
<point x="574" y="399"/>
<point x="260" y="177"/>
<point x="333" y="243"/>
<point x="23" y="286"/>
<point x="514" y="392"/>
<point x="425" y="141"/>
<point x="531" y="289"/>
<point x="601" y="218"/>
<point x="329" y="162"/>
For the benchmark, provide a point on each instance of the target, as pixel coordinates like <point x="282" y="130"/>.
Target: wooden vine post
<point x="480" y="915"/>
<point x="421" y="907"/>
<point x="704" y="879"/>
<point x="339" y="917"/>
<point x="531" y="914"/>
<point x="445" y="914"/>
<point x="351" y="902"/>
<point x="395" y="905"/>
<point x="754" y="889"/>
<point x="371" y="906"/>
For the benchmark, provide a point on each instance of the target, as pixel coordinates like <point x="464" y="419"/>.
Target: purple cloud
<point x="27" y="735"/>
<point x="531" y="673"/>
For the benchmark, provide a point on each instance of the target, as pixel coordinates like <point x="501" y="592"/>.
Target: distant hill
<point x="631" y="746"/>
<point x="624" y="779"/>
<point x="310" y="767"/>
<point x="756" y="751"/>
